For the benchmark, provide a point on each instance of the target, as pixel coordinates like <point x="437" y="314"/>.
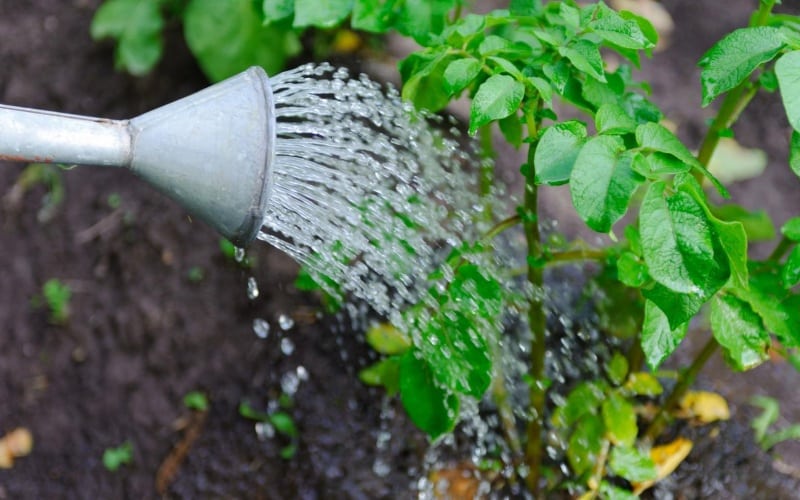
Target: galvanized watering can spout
<point x="212" y="151"/>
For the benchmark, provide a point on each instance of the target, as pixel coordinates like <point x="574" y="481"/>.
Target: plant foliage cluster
<point x="675" y="254"/>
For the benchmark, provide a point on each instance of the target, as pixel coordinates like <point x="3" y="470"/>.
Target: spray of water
<point x="367" y="196"/>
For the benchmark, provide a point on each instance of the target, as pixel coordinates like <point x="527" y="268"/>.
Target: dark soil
<point x="141" y="333"/>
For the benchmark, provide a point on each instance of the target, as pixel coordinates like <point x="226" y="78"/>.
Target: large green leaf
<point x="612" y="119"/>
<point x="585" y="444"/>
<point x="602" y="182"/>
<point x="792" y="229"/>
<point x="679" y="307"/>
<point x="431" y="407"/>
<point x="556" y="152"/>
<point x="659" y="340"/>
<point x="321" y="13"/>
<point x="778" y="308"/>
<point x="423" y="79"/>
<point x="423" y="19"/>
<point x="137" y="26"/>
<point x="228" y="37"/>
<point x="794" y="153"/>
<point x="583" y="400"/>
<point x="496" y="98"/>
<point x="739" y="331"/>
<point x="656" y="137"/>
<point x="787" y="69"/>
<point x="735" y="57"/>
<point x="678" y="242"/>
<point x="791" y="268"/>
<point x="757" y="224"/>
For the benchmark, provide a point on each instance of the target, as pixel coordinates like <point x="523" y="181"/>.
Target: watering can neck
<point x="32" y="135"/>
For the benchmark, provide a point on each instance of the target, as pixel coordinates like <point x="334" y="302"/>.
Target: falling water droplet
<point x="252" y="288"/>
<point x="289" y="383"/>
<point x="238" y="254"/>
<point x="287" y="346"/>
<point x="285" y="322"/>
<point x="261" y="328"/>
<point x="264" y="431"/>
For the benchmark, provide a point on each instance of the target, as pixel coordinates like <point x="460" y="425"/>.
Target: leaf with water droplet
<point x="792" y="229"/>
<point x="496" y="98"/>
<point x="659" y="340"/>
<point x="735" y="57"/>
<point x="643" y="384"/>
<point x="582" y="400"/>
<point x="431" y="407"/>
<point x="777" y="307"/>
<point x="386" y="339"/>
<point x="613" y="120"/>
<point x="586" y="58"/>
<point x="618" y="31"/>
<point x="790" y="273"/>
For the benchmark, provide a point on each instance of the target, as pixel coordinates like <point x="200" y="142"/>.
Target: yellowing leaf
<point x="15" y="444"/>
<point x="732" y="162"/>
<point x="667" y="458"/>
<point x="704" y="407"/>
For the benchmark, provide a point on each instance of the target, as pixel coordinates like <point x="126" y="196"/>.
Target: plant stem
<point x="685" y="381"/>
<point x="782" y="247"/>
<point x="573" y="255"/>
<point x="534" y="446"/>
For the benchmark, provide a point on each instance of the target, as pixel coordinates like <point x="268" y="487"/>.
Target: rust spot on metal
<point x="18" y="158"/>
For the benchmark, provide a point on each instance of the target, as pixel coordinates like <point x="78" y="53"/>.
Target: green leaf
<point x="611" y="492"/>
<point x="631" y="464"/>
<point x="496" y="98"/>
<point x="583" y="400"/>
<point x="643" y="384"/>
<point x="613" y="28"/>
<point x="585" y="444"/>
<point x="739" y="331"/>
<point x="432" y="408"/>
<point x="735" y="57"/>
<point x="586" y="58"/>
<point x="525" y="7"/>
<point x="385" y="373"/>
<point x="678" y="243"/>
<point x="276" y="10"/>
<point x="386" y="339"/>
<point x="321" y="14"/>
<point x="791" y="268"/>
<point x="792" y="229"/>
<point x="631" y="271"/>
<point x="789" y="433"/>
<point x="757" y="224"/>
<point x="459" y="74"/>
<point x="374" y="16"/>
<point x="137" y="26"/>
<point x="617" y="368"/>
<point x="794" y="153"/>
<point x="508" y="67"/>
<point x="612" y="119"/>
<point x="423" y="19"/>
<point x="779" y="309"/>
<point x="195" y="400"/>
<point x="770" y="414"/>
<point x="229" y="37"/>
<point x="556" y="152"/>
<point x="620" y="420"/>
<point x="423" y="79"/>
<point x="679" y="307"/>
<point x="602" y="182"/>
<point x="656" y="137"/>
<point x="733" y="238"/>
<point x="511" y="127"/>
<point x="659" y="340"/>
<point x="114" y="458"/>
<point x="787" y="69"/>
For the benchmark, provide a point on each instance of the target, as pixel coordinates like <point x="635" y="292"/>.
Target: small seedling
<point x="771" y="411"/>
<point x="195" y="274"/>
<point x="196" y="400"/>
<point x="281" y="421"/>
<point x="114" y="458"/>
<point x="57" y="296"/>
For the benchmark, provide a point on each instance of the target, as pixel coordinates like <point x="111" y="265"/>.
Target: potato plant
<point x="675" y="254"/>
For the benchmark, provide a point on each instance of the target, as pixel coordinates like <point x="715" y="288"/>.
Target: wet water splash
<point x="366" y="195"/>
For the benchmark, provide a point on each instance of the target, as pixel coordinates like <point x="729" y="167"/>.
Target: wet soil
<point x="142" y="332"/>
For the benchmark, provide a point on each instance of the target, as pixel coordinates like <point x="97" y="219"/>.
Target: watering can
<point x="212" y="151"/>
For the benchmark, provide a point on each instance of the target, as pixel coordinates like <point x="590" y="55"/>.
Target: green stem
<point x="534" y="447"/>
<point x="500" y="227"/>
<point x="576" y="255"/>
<point x="684" y="383"/>
<point x="780" y="250"/>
